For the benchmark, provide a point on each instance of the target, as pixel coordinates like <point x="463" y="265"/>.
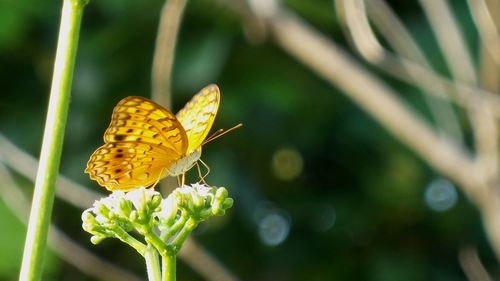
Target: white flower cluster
<point x="145" y="211"/>
<point x="118" y="201"/>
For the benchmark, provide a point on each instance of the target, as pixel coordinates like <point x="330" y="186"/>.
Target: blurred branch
<point x="356" y="19"/>
<point x="412" y="66"/>
<point x="480" y="112"/>
<point x="489" y="70"/>
<point x="490" y="39"/>
<point x="79" y="196"/>
<point x="163" y="59"/>
<point x="483" y="122"/>
<point x="460" y="63"/>
<point x="471" y="264"/>
<point x="488" y="32"/>
<point x="26" y="165"/>
<point x="450" y="40"/>
<point x="336" y="66"/>
<point x="486" y="137"/>
<point x="205" y="264"/>
<point x="60" y="243"/>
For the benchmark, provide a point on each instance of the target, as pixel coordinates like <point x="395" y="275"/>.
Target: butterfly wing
<point x="128" y="165"/>
<point x="198" y="115"/>
<point x="141" y="142"/>
<point x="137" y="119"/>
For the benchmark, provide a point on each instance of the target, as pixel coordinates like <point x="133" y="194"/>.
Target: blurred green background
<point x="321" y="191"/>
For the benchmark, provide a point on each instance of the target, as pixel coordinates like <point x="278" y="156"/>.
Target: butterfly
<point x="145" y="142"/>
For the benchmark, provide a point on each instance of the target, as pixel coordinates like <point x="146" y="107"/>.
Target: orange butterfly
<point x="145" y="142"/>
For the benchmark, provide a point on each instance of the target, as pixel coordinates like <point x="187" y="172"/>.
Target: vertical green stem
<point x="50" y="155"/>
<point x="152" y="264"/>
<point x="168" y="267"/>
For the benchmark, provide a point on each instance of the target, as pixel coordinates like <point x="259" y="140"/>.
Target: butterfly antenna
<point x="220" y="133"/>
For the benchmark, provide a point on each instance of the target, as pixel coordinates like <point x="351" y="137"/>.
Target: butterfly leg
<point x="181" y="179"/>
<point x="202" y="180"/>
<point x="158" y="179"/>
<point x="202" y="177"/>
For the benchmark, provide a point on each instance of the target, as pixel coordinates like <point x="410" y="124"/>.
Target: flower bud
<point x="125" y="207"/>
<point x="96" y="239"/>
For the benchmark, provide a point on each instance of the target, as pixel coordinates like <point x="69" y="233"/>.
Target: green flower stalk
<point x="164" y="224"/>
<point x="53" y="136"/>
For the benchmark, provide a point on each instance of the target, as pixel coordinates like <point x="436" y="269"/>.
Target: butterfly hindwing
<point x="126" y="165"/>
<point x="198" y="115"/>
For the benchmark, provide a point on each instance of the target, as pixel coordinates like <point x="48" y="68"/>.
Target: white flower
<point x="198" y="192"/>
<point x="140" y="195"/>
<point x="168" y="209"/>
<point x="111" y="202"/>
<point x="202" y="189"/>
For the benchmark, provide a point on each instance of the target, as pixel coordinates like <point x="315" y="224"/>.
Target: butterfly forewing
<point x="137" y="119"/>
<point x="141" y="142"/>
<point x="198" y="115"/>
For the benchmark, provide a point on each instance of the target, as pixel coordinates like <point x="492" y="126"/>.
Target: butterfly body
<point x="184" y="164"/>
<point x="145" y="142"/>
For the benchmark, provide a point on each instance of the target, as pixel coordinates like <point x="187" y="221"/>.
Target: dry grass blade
<point x="450" y="40"/>
<point x="487" y="28"/>
<point x="204" y="263"/>
<point x="405" y="48"/>
<point x="163" y="60"/>
<point x="26" y="165"/>
<point x="471" y="264"/>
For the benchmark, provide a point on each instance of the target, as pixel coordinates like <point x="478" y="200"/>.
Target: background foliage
<point x="343" y="199"/>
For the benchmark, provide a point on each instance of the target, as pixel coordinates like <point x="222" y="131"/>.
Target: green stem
<point x="154" y="240"/>
<point x="183" y="234"/>
<point x="168" y="267"/>
<point x="43" y="197"/>
<point x="152" y="264"/>
<point x="175" y="228"/>
<point x="131" y="241"/>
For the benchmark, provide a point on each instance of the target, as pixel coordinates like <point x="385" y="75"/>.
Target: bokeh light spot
<point x="287" y="163"/>
<point x="440" y="195"/>
<point x="324" y="218"/>
<point x="273" y="229"/>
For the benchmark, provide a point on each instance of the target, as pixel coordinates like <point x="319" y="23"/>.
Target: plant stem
<point x="152" y="264"/>
<point x="183" y="234"/>
<point x="155" y="241"/>
<point x="131" y="241"/>
<point x="175" y="228"/>
<point x="168" y="267"/>
<point x="43" y="197"/>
